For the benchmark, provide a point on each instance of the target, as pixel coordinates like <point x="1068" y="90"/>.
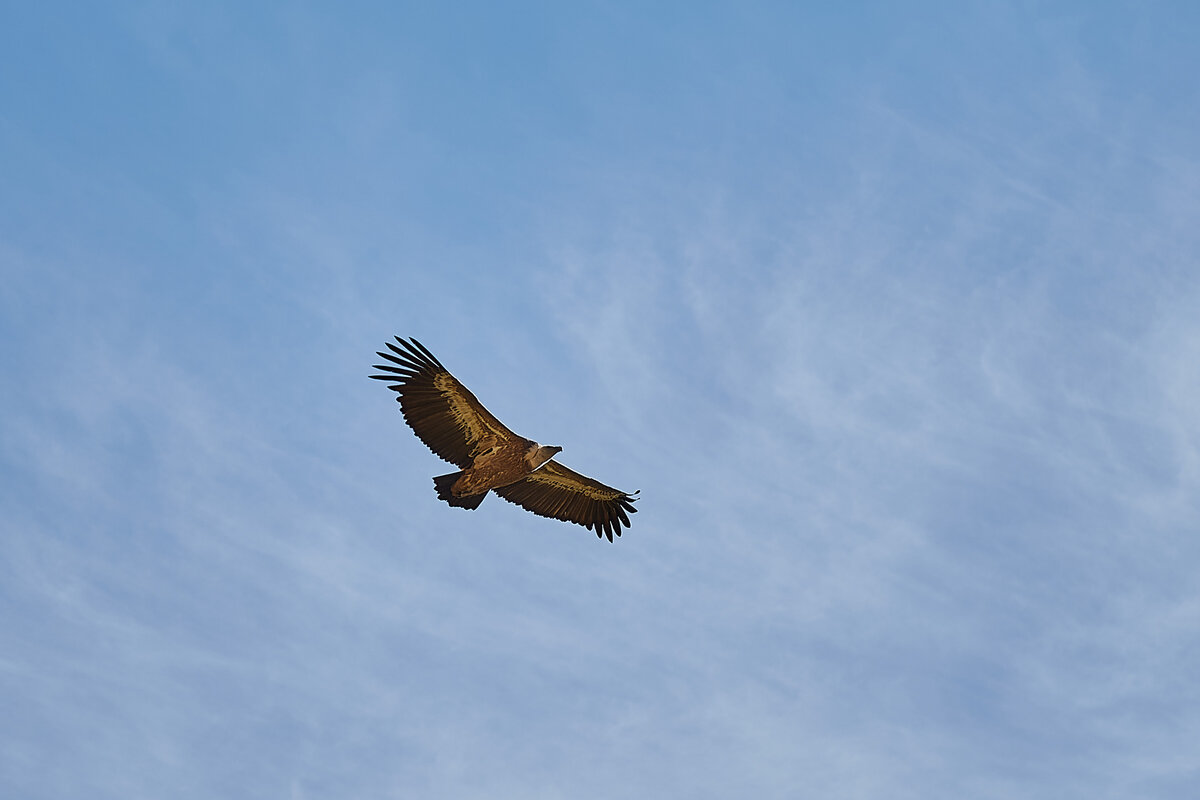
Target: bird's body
<point x="501" y="463"/>
<point x="455" y="426"/>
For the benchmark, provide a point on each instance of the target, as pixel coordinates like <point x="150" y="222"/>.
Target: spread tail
<point x="443" y="484"/>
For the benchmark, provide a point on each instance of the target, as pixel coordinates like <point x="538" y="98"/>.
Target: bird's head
<point x="541" y="454"/>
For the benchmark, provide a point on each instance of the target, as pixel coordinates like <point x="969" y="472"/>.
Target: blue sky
<point x="889" y="310"/>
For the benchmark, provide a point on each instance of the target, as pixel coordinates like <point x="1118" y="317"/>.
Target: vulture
<point x="456" y="427"/>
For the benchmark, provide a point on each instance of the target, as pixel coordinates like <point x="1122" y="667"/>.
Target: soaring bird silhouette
<point x="456" y="427"/>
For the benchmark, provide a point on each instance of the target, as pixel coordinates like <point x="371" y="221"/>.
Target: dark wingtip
<point x="430" y="355"/>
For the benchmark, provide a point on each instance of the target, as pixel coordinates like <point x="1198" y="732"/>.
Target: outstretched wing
<point x="440" y="410"/>
<point x="560" y="493"/>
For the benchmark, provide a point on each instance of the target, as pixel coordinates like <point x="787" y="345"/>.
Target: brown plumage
<point x="455" y="426"/>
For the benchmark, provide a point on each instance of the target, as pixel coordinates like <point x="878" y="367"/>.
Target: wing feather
<point x="560" y="493"/>
<point x="440" y="410"/>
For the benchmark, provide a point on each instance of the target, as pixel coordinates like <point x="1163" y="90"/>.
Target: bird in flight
<point x="456" y="427"/>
